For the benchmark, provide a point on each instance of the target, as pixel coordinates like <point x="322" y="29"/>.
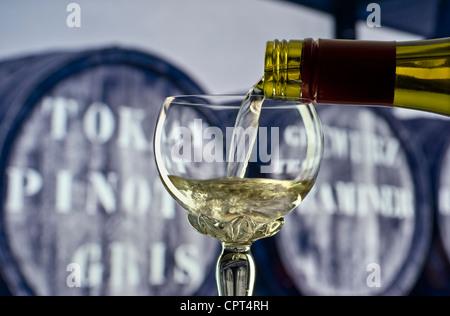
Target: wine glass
<point x="280" y="158"/>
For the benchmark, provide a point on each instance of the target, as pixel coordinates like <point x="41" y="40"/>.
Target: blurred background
<point x="81" y="84"/>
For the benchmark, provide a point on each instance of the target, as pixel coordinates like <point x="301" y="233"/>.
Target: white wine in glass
<point x="234" y="171"/>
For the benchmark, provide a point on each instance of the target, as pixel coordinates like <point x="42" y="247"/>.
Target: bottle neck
<point x="331" y="71"/>
<point x="282" y="69"/>
<point x="410" y="74"/>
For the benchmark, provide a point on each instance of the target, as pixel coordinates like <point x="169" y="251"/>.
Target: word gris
<point x="119" y="265"/>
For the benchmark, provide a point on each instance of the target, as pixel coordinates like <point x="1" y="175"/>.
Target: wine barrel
<point x="441" y="173"/>
<point x="434" y="135"/>
<point x="83" y="210"/>
<point x="365" y="228"/>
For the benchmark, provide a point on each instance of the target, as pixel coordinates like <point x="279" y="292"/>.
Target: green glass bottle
<point x="413" y="75"/>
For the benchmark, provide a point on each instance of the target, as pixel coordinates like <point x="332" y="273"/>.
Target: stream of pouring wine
<point x="247" y="123"/>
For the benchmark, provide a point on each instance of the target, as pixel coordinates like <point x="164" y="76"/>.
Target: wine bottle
<point x="413" y="75"/>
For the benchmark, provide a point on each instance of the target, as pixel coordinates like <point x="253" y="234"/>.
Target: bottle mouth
<point x="282" y="69"/>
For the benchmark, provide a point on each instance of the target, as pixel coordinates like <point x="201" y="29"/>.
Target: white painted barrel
<point x="365" y="228"/>
<point x="83" y="210"/>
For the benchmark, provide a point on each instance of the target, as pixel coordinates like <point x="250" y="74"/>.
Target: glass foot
<point x="235" y="271"/>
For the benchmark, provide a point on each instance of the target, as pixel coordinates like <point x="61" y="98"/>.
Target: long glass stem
<point x="235" y="271"/>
